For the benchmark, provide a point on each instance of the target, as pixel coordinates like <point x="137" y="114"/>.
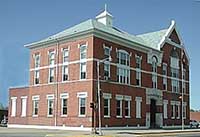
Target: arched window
<point x="123" y="57"/>
<point x="154" y="71"/>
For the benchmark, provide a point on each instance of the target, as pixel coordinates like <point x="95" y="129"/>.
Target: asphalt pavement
<point x="19" y="132"/>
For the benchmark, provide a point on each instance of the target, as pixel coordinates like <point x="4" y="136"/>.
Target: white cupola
<point x="105" y="18"/>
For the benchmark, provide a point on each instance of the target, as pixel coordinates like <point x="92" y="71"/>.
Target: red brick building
<point x="195" y="116"/>
<point x="140" y="87"/>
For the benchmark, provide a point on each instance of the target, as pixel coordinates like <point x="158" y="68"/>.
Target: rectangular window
<point x="37" y="60"/>
<point x="175" y="73"/>
<point x="178" y="111"/>
<point x="82" y="106"/>
<point x="175" y="85"/>
<point x="64" y="106"/>
<point x="165" y="103"/>
<point x="50" y="107"/>
<point x="14" y="105"/>
<point x="83" y="70"/>
<point x="64" y="98"/>
<point x="138" y="77"/>
<point x="51" y="58"/>
<point x="82" y="103"/>
<point x="83" y="52"/>
<point x="106" y="107"/>
<point x="127" y="108"/>
<point x="154" y="80"/>
<point x="24" y="100"/>
<point x="164" y="69"/>
<point x="106" y="100"/>
<point x="37" y="77"/>
<point x="173" y="110"/>
<point x="35" y="107"/>
<point x="123" y="75"/>
<point x="138" y="62"/>
<point x="65" y="73"/>
<point x="123" y="58"/>
<point x="107" y="52"/>
<point x="106" y="70"/>
<point x="119" y="108"/>
<point x="165" y="83"/>
<point x="51" y="75"/>
<point x="65" y="56"/>
<point x="35" y="100"/>
<point x="138" y="106"/>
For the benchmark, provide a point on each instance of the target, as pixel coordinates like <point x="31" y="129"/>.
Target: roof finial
<point x="105" y="7"/>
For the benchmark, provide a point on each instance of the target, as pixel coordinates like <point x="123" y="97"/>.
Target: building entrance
<point x="153" y="113"/>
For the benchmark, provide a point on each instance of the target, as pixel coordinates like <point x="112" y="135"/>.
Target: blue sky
<point x="23" y="22"/>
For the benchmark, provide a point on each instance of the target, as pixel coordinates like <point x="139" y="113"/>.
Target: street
<point x="13" y="132"/>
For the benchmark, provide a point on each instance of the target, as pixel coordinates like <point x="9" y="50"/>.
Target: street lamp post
<point x="99" y="93"/>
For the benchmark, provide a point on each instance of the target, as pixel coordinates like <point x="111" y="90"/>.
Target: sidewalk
<point x="133" y="133"/>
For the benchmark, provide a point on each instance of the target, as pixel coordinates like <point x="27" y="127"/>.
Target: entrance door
<point x="153" y="113"/>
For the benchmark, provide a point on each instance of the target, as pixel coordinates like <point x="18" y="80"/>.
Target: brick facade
<point x="95" y="51"/>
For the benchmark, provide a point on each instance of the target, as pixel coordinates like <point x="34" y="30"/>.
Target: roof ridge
<point x="152" y="32"/>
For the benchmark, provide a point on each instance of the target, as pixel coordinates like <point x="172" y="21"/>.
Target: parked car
<point x="4" y="121"/>
<point x="194" y="123"/>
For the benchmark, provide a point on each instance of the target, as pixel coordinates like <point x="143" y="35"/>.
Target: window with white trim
<point x="123" y="58"/>
<point x="178" y="110"/>
<point x="173" y="109"/>
<point x="138" y="106"/>
<point x="51" y="58"/>
<point x="123" y="67"/>
<point x="106" y="98"/>
<point x="107" y="70"/>
<point x="51" y="75"/>
<point x="119" y="99"/>
<point x="14" y="105"/>
<point x="164" y="70"/>
<point x="154" y="72"/>
<point x="127" y="101"/>
<point x="119" y="108"/>
<point x="138" y="61"/>
<point x="65" y="76"/>
<point x="174" y="64"/>
<point x="123" y="75"/>
<point x="64" y="99"/>
<point x="35" y="100"/>
<point x="65" y="56"/>
<point x="83" y="70"/>
<point x="83" y="52"/>
<point x="37" y="60"/>
<point x="165" y="103"/>
<point x="50" y="101"/>
<point x="37" y="77"/>
<point x="23" y="106"/>
<point x="165" y="83"/>
<point x="107" y="51"/>
<point x="82" y="103"/>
